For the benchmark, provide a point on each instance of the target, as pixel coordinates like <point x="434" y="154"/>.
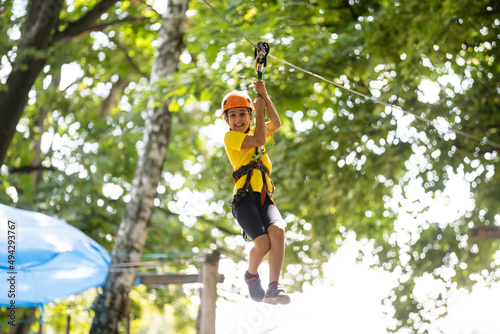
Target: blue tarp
<point x="52" y="259"/>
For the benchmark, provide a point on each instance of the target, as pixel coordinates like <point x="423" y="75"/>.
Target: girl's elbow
<point x="261" y="141"/>
<point x="274" y="126"/>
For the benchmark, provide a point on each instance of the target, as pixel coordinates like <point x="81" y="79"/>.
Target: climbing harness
<point x="247" y="171"/>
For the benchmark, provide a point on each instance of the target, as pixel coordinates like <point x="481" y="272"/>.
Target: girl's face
<point x="239" y="119"/>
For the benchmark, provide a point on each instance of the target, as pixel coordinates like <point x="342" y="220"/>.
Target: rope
<point x="222" y="17"/>
<point x="159" y="256"/>
<point x="130" y="267"/>
<point x="483" y="141"/>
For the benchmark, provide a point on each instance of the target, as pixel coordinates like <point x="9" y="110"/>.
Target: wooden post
<point x="209" y="278"/>
<point x="68" y="323"/>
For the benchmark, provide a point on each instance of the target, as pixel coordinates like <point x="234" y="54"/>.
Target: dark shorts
<point x="256" y="219"/>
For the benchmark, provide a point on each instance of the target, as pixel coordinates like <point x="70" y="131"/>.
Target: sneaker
<point x="255" y="289"/>
<point x="276" y="294"/>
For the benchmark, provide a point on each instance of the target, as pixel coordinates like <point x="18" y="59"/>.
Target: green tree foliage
<point x="341" y="161"/>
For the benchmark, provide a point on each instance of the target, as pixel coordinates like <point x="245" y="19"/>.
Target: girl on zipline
<point x="252" y="205"/>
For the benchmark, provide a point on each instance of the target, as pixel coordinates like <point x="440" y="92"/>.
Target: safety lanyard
<point x="261" y="52"/>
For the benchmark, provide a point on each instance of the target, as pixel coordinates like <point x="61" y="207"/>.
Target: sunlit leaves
<point x="341" y="162"/>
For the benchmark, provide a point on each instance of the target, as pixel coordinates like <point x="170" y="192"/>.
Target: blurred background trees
<point x="342" y="163"/>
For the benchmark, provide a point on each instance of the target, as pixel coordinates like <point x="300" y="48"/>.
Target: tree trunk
<point x="38" y="34"/>
<point x="135" y="224"/>
<point x="24" y="317"/>
<point x="41" y="20"/>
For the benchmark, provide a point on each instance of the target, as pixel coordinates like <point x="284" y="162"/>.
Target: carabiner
<point x="260" y="53"/>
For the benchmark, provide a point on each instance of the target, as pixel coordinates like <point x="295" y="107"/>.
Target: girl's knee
<point x="262" y="243"/>
<point x="280" y="225"/>
<point x="277" y="230"/>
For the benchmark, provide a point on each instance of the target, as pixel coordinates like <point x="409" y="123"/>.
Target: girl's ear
<point x="227" y="122"/>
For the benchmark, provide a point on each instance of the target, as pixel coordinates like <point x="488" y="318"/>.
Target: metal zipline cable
<point x="483" y="141"/>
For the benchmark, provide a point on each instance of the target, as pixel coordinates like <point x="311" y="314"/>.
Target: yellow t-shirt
<point x="240" y="157"/>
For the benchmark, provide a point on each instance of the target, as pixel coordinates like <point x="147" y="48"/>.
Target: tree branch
<point x="113" y="94"/>
<point x="495" y="9"/>
<point x="130" y="60"/>
<point x="69" y="35"/>
<point x="83" y="23"/>
<point x="150" y="7"/>
<point x="29" y="169"/>
<point x="348" y="6"/>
